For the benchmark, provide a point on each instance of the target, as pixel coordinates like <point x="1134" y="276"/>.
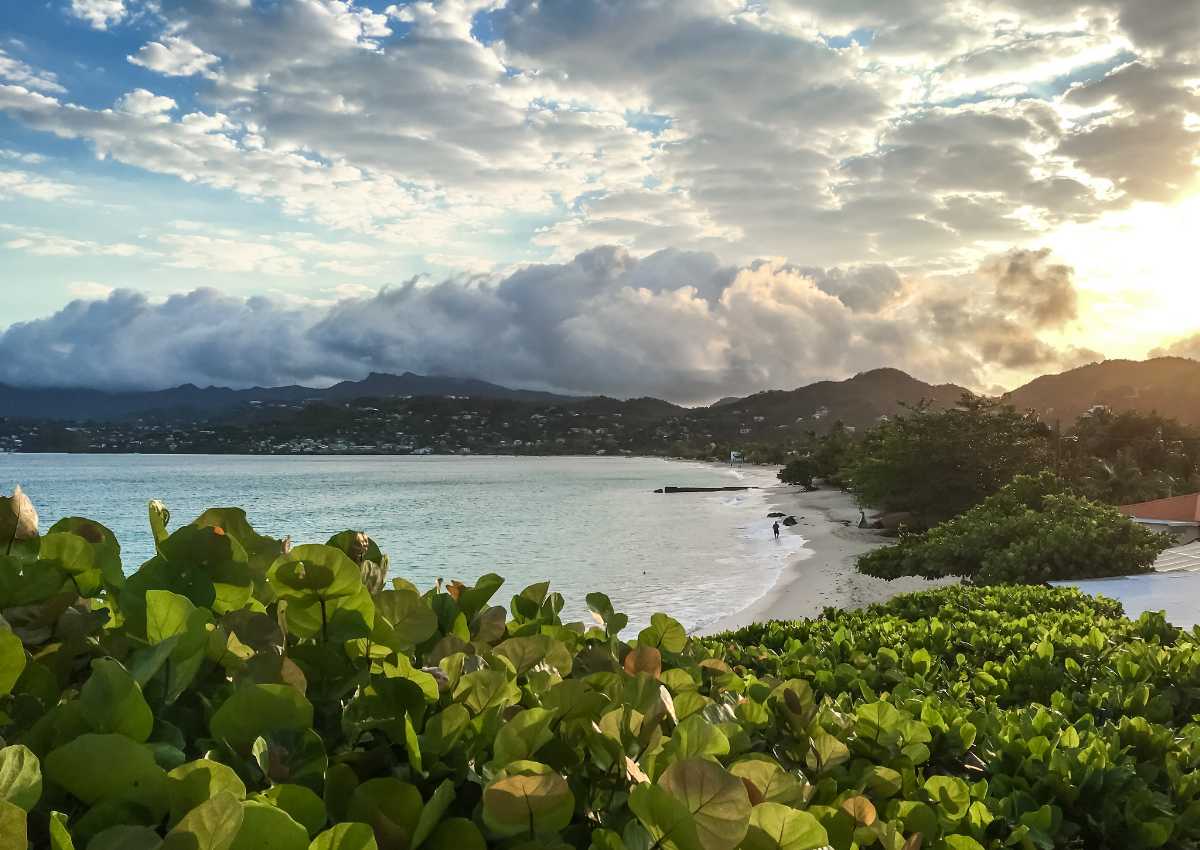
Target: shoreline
<point x="823" y="575"/>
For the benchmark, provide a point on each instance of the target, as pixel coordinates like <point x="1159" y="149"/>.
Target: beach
<point x="822" y="574"/>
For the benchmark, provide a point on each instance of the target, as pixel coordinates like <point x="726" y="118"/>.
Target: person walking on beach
<point x="775" y="528"/>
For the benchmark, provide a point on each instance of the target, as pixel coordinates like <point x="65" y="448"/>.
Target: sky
<point x="633" y="197"/>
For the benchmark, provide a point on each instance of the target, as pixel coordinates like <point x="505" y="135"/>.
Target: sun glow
<point x="1138" y="272"/>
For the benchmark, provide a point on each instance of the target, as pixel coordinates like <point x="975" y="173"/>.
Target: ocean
<point x="583" y="523"/>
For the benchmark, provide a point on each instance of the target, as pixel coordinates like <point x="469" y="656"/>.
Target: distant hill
<point x="859" y="402"/>
<point x="189" y="402"/>
<point x="1169" y="386"/>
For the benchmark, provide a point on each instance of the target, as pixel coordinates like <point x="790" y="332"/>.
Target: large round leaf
<point x="665" y="633"/>
<point x="774" y="826"/>
<point x="20" y="776"/>
<point x="665" y="818"/>
<point x="304" y="806"/>
<point x="12" y="660"/>
<point x="716" y="799"/>
<point x="14" y="832"/>
<point x="456" y="834"/>
<point x="126" y="837"/>
<point x="534" y="801"/>
<point x="950" y="794"/>
<point x="112" y="701"/>
<point x="345" y="836"/>
<point x="265" y="827"/>
<point x="96" y="767"/>
<point x="409" y="615"/>
<point x="105" y="548"/>
<point x="212" y="825"/>
<point x="392" y="809"/>
<point x="254" y="710"/>
<point x="193" y="783"/>
<point x="314" y="571"/>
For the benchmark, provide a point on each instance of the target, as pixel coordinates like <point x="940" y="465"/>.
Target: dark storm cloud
<point x="677" y="325"/>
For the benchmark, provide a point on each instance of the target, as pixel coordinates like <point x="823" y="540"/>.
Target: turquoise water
<point x="583" y="523"/>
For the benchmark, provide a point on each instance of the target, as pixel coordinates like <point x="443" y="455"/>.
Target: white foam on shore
<point x="755" y="553"/>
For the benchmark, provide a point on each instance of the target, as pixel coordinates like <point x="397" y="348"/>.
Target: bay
<point x="583" y="523"/>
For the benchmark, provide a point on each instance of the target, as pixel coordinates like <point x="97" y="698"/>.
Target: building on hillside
<point x="1178" y="516"/>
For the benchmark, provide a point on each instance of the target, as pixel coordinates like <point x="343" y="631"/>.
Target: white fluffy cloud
<point x="174" y="57"/>
<point x="99" y="14"/>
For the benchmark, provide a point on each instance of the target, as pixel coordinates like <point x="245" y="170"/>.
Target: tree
<point x="800" y="471"/>
<point x="1032" y="531"/>
<point x="938" y="464"/>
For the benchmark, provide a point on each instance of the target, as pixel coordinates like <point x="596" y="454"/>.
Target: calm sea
<point x="583" y="523"/>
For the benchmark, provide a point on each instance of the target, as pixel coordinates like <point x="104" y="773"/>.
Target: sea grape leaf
<point x="665" y="633"/>
<point x="60" y="836"/>
<point x="522" y="736"/>
<point x="112" y="701"/>
<point x="643" y="659"/>
<point x="456" y="834"/>
<point x="525" y="653"/>
<point x="68" y="552"/>
<point x="826" y="753"/>
<point x="159" y="518"/>
<point x="14" y="832"/>
<point x="301" y="803"/>
<point x="212" y="825"/>
<point x="20" y="776"/>
<point x="695" y="737"/>
<point x="484" y="689"/>
<point x="265" y="827"/>
<point x="433" y="812"/>
<point x="392" y="809"/>
<point x="409" y="615"/>
<point x="314" y="570"/>
<point x="340" y="782"/>
<point x="716" y="799"/>
<point x="666" y="819"/>
<point x="167" y="615"/>
<point x="533" y="802"/>
<point x="961" y="842"/>
<point x="193" y="783"/>
<point x="126" y="837"/>
<point x="96" y="767"/>
<point x="254" y="710"/>
<point x="774" y="826"/>
<point x="772" y="782"/>
<point x="861" y="809"/>
<point x="471" y="600"/>
<point x="291" y="755"/>
<point x="345" y="836"/>
<point x="443" y="730"/>
<point x="12" y="659"/>
<point x="950" y="794"/>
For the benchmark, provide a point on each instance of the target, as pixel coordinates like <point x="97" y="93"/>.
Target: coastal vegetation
<point x="1032" y="531"/>
<point x="238" y="692"/>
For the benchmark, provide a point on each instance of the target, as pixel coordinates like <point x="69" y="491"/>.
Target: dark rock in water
<point x="790" y="521"/>
<point x="701" y="489"/>
<point x="776" y="514"/>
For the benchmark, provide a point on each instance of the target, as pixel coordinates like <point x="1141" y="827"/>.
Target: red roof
<point x="1176" y="509"/>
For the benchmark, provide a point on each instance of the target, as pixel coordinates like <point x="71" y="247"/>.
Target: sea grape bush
<point x="235" y="692"/>
<point x="1034" y="530"/>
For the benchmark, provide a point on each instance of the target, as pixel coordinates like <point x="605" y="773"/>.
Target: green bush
<point x="1032" y="531"/>
<point x="235" y="693"/>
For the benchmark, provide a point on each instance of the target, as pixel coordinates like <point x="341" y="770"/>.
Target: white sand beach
<point x="824" y="574"/>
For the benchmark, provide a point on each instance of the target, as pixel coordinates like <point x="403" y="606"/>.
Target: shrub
<point x="237" y="693"/>
<point x="1032" y="531"/>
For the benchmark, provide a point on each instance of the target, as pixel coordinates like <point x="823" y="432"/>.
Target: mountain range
<point x="1169" y="386"/>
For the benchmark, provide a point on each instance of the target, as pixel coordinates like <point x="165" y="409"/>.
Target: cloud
<point x="676" y="324"/>
<point x="26" y="184"/>
<point x="13" y="70"/>
<point x="99" y="14"/>
<point x="174" y="57"/>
